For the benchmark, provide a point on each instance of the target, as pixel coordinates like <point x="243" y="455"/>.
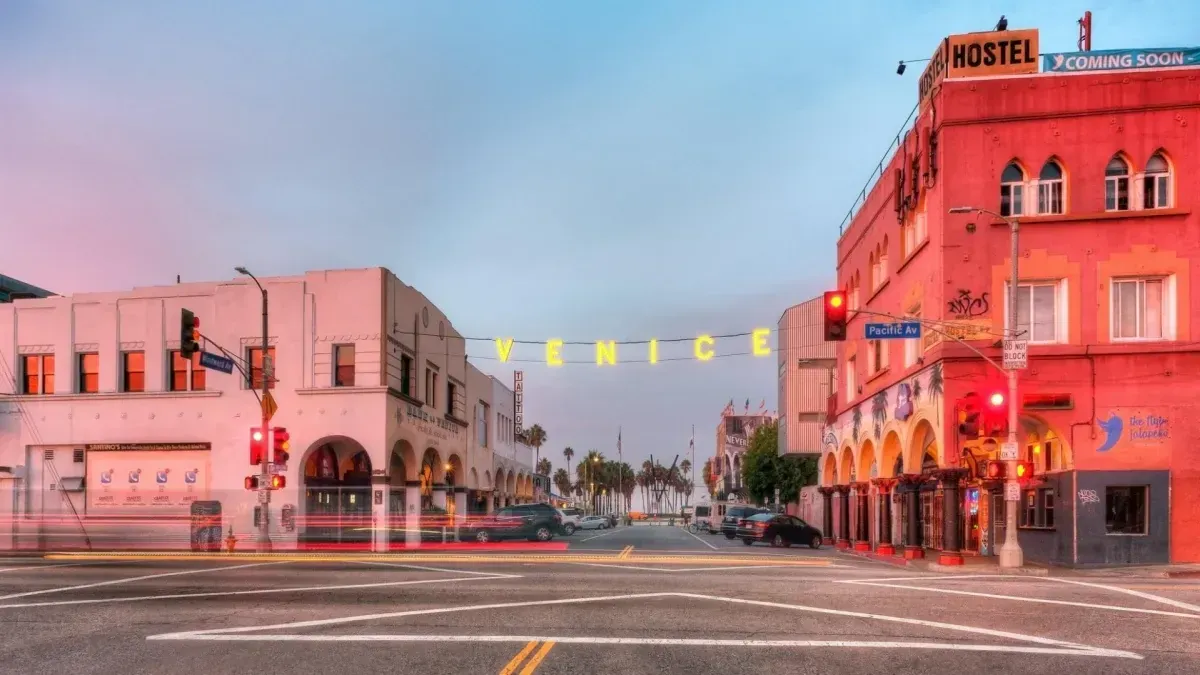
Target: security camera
<point x="970" y="228"/>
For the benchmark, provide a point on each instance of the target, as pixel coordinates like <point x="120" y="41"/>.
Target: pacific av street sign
<point x="905" y="330"/>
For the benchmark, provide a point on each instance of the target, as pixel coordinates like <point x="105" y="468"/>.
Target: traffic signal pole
<point x="1011" y="554"/>
<point x="263" y="543"/>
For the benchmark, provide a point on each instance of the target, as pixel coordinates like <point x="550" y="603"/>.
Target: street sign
<point x="1012" y="492"/>
<point x="216" y="362"/>
<point x="906" y="330"/>
<point x="264" y="497"/>
<point x="1016" y="354"/>
<point x="1008" y="451"/>
<point x="277" y="468"/>
<point x="269" y="406"/>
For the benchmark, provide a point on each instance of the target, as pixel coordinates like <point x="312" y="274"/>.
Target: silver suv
<point x="570" y="518"/>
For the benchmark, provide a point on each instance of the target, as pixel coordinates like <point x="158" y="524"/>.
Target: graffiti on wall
<point x="968" y="306"/>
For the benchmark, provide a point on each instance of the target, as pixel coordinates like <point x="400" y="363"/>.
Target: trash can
<point x="206" y="526"/>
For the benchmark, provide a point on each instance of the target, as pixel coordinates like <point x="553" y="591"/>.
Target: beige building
<point x="807" y="364"/>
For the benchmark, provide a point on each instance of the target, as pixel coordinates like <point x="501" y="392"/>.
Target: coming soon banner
<point x="1120" y="59"/>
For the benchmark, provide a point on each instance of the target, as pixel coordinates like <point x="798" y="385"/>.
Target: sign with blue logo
<point x="893" y="331"/>
<point x="1137" y="427"/>
<point x="216" y="362"/>
<point x="1119" y="59"/>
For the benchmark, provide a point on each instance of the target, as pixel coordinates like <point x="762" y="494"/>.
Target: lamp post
<point x="263" y="544"/>
<point x="1011" y="554"/>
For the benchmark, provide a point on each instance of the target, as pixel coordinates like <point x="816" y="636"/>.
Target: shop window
<point x="1140" y="309"/>
<point x="133" y="371"/>
<point x="1037" y="508"/>
<point x="1012" y="190"/>
<point x="1039" y="316"/>
<point x="343" y="360"/>
<point x="37" y="374"/>
<point x="255" y="357"/>
<point x="1156" y="183"/>
<point x="1116" y="185"/>
<point x="406" y="375"/>
<point x="186" y="374"/>
<point x="89" y="373"/>
<point x="1050" y="189"/>
<point x="1125" y="509"/>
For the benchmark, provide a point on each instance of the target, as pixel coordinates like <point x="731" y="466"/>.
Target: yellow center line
<point x="537" y="658"/>
<point x="625" y="553"/>
<point x="511" y="666"/>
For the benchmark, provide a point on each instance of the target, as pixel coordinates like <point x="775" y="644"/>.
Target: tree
<point x="562" y="480"/>
<point x="793" y="473"/>
<point x="535" y="436"/>
<point x="710" y="481"/>
<point x="543" y="466"/>
<point x="758" y="464"/>
<point x="568" y="453"/>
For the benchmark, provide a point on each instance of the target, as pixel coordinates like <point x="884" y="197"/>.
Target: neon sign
<point x="703" y="348"/>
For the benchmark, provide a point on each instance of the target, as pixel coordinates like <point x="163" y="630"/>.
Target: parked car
<point x="536" y="522"/>
<point x="734" y="515"/>
<point x="570" y="518"/>
<point x="778" y="529"/>
<point x="594" y="523"/>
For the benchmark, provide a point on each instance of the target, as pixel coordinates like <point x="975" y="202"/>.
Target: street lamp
<point x="264" y="531"/>
<point x="1010" y="551"/>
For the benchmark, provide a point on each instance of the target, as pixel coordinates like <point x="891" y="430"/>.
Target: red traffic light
<point x="996" y="400"/>
<point x="258" y="447"/>
<point x="995" y="470"/>
<point x="251" y="482"/>
<point x="281" y="443"/>
<point x="835" y="316"/>
<point x="278" y="482"/>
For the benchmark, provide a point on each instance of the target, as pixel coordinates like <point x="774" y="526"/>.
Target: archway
<point x="499" y="488"/>
<point x="401" y="464"/>
<point x="866" y="459"/>
<point x="337" y="493"/>
<point x="923" y="443"/>
<point x="454" y="477"/>
<point x="432" y="474"/>
<point x="891" y="456"/>
<point x="846" y="470"/>
<point x="829" y="474"/>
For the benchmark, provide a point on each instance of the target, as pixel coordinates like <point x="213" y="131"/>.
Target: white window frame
<point x="912" y="347"/>
<point x="1130" y="195"/>
<point x="882" y="261"/>
<point x="850" y="383"/>
<point x="876" y="365"/>
<point x="1047" y="186"/>
<point x="1168" y="308"/>
<point x="1061" y="321"/>
<point x="1162" y="185"/>
<point x="1016" y="193"/>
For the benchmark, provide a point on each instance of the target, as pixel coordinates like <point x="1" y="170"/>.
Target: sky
<point x="606" y="170"/>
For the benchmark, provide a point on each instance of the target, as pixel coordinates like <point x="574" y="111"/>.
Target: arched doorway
<point x="337" y="491"/>
<point x="431" y="477"/>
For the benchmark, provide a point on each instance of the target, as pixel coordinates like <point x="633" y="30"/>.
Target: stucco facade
<point x="806" y="367"/>
<point x="370" y="379"/>
<point x="1096" y="168"/>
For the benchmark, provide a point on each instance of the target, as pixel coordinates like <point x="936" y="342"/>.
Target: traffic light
<point x="278" y="482"/>
<point x="968" y="415"/>
<point x="835" y="316"/>
<point x="258" y="447"/>
<point x="252" y="482"/>
<point x="189" y="334"/>
<point x="280" y="444"/>
<point x="995" y="417"/>
<point x="1024" y="470"/>
<point x="995" y="470"/>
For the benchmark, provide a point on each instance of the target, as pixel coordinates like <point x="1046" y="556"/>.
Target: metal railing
<point x="877" y="173"/>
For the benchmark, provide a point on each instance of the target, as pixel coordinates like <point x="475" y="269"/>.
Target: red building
<point x="1095" y="167"/>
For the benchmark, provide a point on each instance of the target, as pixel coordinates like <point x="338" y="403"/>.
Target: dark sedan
<point x="778" y="530"/>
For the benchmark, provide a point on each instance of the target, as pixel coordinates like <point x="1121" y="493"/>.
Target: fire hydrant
<point x="230" y="541"/>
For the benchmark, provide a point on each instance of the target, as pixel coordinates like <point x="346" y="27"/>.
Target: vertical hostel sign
<point x="518" y="400"/>
<point x="992" y="54"/>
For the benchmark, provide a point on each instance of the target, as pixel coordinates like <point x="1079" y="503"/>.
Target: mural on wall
<point x="1133" y="426"/>
<point x="920" y="393"/>
<point x="904" y="400"/>
<point x="856" y="415"/>
<point x="879" y="403"/>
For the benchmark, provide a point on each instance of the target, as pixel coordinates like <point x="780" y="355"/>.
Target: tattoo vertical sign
<point x="518" y="400"/>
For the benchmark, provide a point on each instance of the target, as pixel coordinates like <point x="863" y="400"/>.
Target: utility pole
<point x="263" y="544"/>
<point x="1011" y="554"/>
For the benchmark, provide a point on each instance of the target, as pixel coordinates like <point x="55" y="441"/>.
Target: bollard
<point x="230" y="541"/>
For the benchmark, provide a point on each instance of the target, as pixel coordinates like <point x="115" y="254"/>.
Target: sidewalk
<point x="989" y="565"/>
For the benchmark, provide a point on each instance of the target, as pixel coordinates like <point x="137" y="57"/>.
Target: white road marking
<point x="667" y="642"/>
<point x="712" y="569"/>
<point x="35" y="568"/>
<point x="239" y="632"/>
<point x="493" y="575"/>
<point x="597" y="536"/>
<point x="700" y="540"/>
<point x="1129" y="591"/>
<point x="114" y="582"/>
<point x="1044" y="601"/>
<point x="218" y="594"/>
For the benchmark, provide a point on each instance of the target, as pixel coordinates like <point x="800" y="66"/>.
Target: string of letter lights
<point x="606" y="352"/>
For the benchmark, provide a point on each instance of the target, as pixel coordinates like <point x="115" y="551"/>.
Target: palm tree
<point x="544" y="467"/>
<point x="706" y="474"/>
<point x="935" y="387"/>
<point x="685" y="469"/>
<point x="562" y="481"/>
<point x="568" y="453"/>
<point x="588" y="472"/>
<point x="856" y="420"/>
<point x="879" y="404"/>
<point x="535" y="436"/>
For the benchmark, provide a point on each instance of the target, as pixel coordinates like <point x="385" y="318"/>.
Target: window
<point x="481" y="424"/>
<point x="186" y="374"/>
<point x="89" y="373"/>
<point x="452" y="408"/>
<point x="1125" y="510"/>
<point x="1012" y="190"/>
<point x="1050" y="189"/>
<point x="133" y="371"/>
<point x="878" y="353"/>
<point x="1156" y="184"/>
<point x="881" y="259"/>
<point x="1138" y="309"/>
<point x="431" y="378"/>
<point x="1038" y="312"/>
<point x="1037" y="508"/>
<point x="37" y="374"/>
<point x="849" y="380"/>
<point x="406" y="375"/>
<point x="912" y="348"/>
<point x="343" y="366"/>
<point x="852" y="294"/>
<point x="1116" y="185"/>
<point x="256" y="368"/>
<point x="913" y="235"/>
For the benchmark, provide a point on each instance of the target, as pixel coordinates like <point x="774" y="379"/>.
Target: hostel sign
<point x="1005" y="52"/>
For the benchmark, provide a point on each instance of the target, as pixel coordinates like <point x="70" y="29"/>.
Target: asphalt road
<point x="630" y="600"/>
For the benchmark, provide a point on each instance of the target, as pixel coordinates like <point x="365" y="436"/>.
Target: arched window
<point x="873" y="267"/>
<point x="1012" y="190"/>
<point x="1156" y="186"/>
<point x="882" y="259"/>
<point x="1116" y="185"/>
<point x="852" y="296"/>
<point x="1050" y="189"/>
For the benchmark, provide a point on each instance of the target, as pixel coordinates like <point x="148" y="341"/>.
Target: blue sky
<point x="617" y="169"/>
